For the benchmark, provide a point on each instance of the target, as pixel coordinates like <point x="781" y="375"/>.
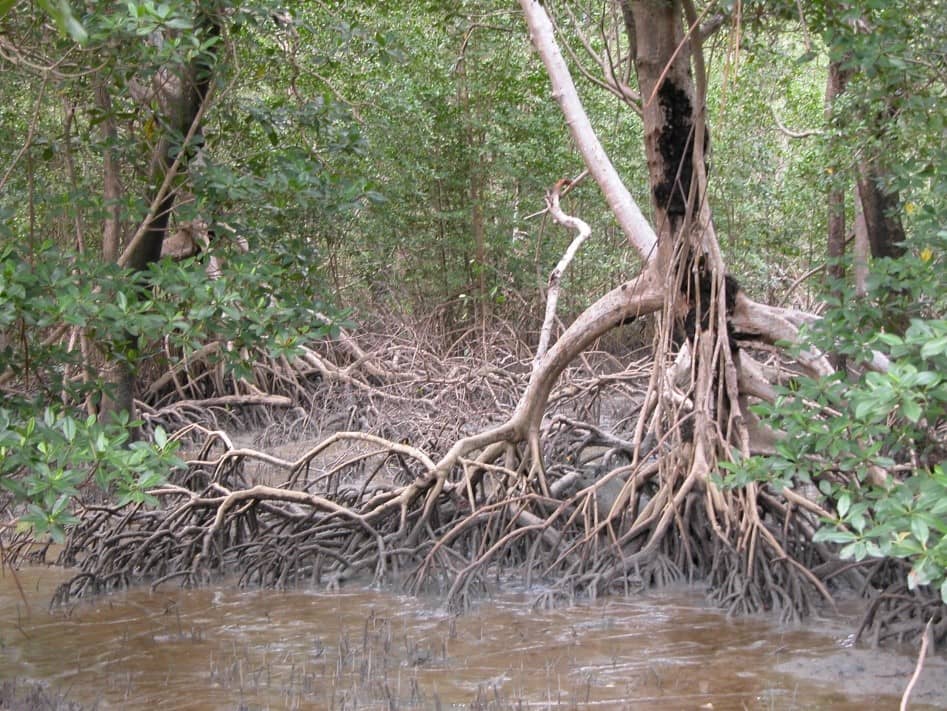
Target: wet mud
<point x="225" y="648"/>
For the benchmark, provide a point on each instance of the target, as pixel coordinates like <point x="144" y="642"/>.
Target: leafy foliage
<point x="45" y="461"/>
<point x="841" y="433"/>
<point x="270" y="175"/>
<point x="48" y="450"/>
<point x="874" y="438"/>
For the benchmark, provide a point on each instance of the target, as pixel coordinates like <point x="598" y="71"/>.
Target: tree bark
<point x="632" y="222"/>
<point x="835" y="199"/>
<point x="111" y="187"/>
<point x="702" y="381"/>
<point x="861" y="250"/>
<point x="182" y="93"/>
<point x="474" y="140"/>
<point x="880" y="206"/>
<point x="663" y="65"/>
<point x="660" y="45"/>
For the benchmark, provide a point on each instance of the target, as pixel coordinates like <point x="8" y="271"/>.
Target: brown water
<point x="223" y="648"/>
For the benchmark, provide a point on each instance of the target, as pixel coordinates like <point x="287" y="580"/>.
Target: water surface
<point x="225" y="648"/>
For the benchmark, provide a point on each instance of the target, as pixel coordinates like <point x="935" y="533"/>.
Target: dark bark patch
<point x="675" y="147"/>
<point x="698" y="291"/>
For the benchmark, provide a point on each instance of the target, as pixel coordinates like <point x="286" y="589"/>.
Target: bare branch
<point x="29" y="134"/>
<point x="789" y="132"/>
<point x="552" y="296"/>
<point x="626" y="210"/>
<point x="133" y="245"/>
<point x="607" y="79"/>
<point x="920" y="665"/>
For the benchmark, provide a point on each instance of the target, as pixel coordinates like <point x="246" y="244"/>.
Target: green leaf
<point x="911" y="410"/>
<point x="844" y="502"/>
<point x="939" y="509"/>
<point x="935" y="347"/>
<point x="872" y="406"/>
<point x="830" y="535"/>
<point x="920" y="530"/>
<point x="62" y="503"/>
<point x="151" y="479"/>
<point x="6" y="6"/>
<point x="889" y="339"/>
<point x="858" y="521"/>
<point x="57" y="534"/>
<point x="69" y="429"/>
<point x="61" y="12"/>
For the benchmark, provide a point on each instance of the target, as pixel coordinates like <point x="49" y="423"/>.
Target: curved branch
<point x="634" y="298"/>
<point x="791" y="133"/>
<point x="555" y="278"/>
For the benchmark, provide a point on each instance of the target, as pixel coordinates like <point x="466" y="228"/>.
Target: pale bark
<point x="632" y="222"/>
<point x="633" y="299"/>
<point x="555" y="278"/>
<point x="111" y="187"/>
<point x="835" y="85"/>
<point x="658" y="33"/>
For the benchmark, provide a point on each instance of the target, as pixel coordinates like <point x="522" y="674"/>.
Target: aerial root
<point x="898" y="614"/>
<point x="387" y="511"/>
<point x="592" y="494"/>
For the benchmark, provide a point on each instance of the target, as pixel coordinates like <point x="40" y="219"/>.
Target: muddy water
<point x="223" y="648"/>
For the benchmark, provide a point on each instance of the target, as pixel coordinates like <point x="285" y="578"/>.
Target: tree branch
<point x="789" y="132"/>
<point x="623" y="205"/>
<point x="552" y="295"/>
<point x="136" y="241"/>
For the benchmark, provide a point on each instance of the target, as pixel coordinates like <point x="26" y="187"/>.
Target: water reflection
<point x="223" y="648"/>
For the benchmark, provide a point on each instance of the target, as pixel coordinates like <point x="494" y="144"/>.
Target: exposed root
<point x="602" y="516"/>
<point x="597" y="479"/>
<point x="897" y="614"/>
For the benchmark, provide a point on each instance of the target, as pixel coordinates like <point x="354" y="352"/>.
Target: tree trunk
<point x="663" y="65"/>
<point x="675" y="134"/>
<point x="878" y="229"/>
<point x="880" y="206"/>
<point x="835" y="85"/>
<point x="861" y="250"/>
<point x="182" y="94"/>
<point x="879" y="203"/>
<point x="702" y="382"/>
<point x="111" y="187"/>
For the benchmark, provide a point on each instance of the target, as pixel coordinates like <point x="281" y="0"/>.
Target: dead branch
<point x="552" y="293"/>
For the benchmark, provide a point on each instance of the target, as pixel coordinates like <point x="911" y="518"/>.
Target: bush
<point x="842" y="431"/>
